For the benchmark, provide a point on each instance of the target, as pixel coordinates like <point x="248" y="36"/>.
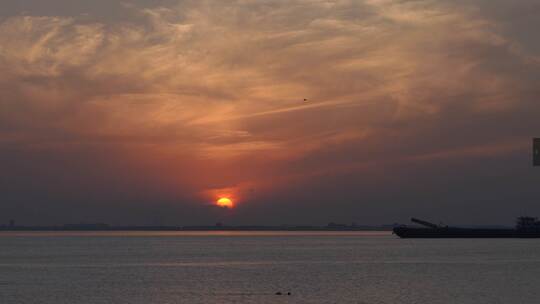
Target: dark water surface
<point x="250" y="267"/>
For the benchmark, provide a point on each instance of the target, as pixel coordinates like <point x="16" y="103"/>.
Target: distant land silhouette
<point x="216" y="227"/>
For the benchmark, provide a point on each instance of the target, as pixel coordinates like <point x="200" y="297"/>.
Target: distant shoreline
<point x="102" y="227"/>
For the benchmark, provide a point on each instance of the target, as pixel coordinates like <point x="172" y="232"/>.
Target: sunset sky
<point x="298" y="111"/>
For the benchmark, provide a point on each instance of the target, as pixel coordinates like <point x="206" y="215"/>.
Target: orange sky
<point x="171" y="102"/>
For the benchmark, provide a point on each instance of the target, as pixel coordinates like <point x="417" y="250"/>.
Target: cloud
<point x="199" y="95"/>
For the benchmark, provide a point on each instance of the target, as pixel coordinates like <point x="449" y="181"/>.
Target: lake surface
<point x="250" y="267"/>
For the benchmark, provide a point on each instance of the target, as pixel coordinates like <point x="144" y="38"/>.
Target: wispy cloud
<point x="220" y="86"/>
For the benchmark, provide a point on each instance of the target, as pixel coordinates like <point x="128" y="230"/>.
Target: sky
<point x="299" y="111"/>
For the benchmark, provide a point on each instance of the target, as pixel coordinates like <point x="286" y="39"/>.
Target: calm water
<point x="250" y="267"/>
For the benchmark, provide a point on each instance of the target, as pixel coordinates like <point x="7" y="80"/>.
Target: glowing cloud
<point x="161" y="104"/>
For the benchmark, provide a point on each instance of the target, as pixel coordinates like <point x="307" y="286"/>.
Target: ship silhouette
<point x="526" y="227"/>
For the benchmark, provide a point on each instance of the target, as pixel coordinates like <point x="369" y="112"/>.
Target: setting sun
<point x="225" y="202"/>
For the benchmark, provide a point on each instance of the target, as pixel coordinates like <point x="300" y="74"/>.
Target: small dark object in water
<point x="278" y="293"/>
<point x="288" y="293"/>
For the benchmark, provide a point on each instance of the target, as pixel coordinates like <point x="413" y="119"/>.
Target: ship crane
<point x="425" y="223"/>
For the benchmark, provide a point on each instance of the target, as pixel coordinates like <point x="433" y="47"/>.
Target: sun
<point x="225" y="202"/>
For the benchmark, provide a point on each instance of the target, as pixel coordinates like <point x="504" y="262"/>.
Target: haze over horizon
<point x="300" y="112"/>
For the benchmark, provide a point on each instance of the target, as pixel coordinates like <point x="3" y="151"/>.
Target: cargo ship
<point x="526" y="227"/>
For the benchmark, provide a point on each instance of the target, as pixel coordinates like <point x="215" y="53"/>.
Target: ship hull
<point x="446" y="232"/>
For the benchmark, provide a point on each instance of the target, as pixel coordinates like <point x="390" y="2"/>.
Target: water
<point x="250" y="267"/>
